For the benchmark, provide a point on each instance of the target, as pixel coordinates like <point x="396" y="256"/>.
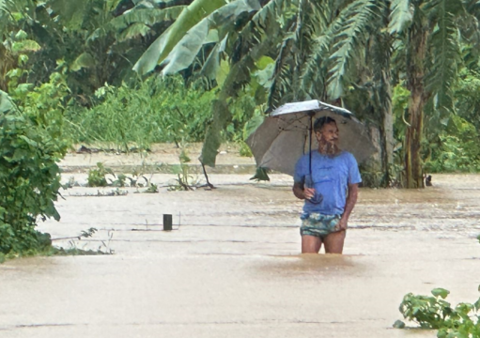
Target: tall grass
<point x="157" y="110"/>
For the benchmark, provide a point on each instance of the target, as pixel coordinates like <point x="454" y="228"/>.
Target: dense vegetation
<point x="31" y="144"/>
<point x="129" y="73"/>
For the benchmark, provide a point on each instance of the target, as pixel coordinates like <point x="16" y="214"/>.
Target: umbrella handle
<point x="310" y="146"/>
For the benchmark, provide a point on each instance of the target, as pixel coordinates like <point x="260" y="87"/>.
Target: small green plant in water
<point x="152" y="188"/>
<point x="184" y="180"/>
<point x="96" y="177"/>
<point x="103" y="249"/>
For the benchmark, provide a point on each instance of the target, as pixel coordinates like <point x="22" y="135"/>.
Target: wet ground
<point x="231" y="266"/>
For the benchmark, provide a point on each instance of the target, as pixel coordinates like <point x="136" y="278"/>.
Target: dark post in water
<point x="167" y="222"/>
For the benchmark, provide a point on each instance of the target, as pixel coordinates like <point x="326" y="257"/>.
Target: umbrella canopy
<point x="285" y="135"/>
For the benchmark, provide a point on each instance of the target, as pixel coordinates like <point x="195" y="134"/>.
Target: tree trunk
<point x="415" y="75"/>
<point x="386" y="130"/>
<point x="381" y="50"/>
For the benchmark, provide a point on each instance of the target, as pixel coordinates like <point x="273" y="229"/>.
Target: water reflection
<point x="317" y="264"/>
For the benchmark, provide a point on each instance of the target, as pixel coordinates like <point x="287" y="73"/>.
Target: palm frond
<point x="272" y="7"/>
<point x="380" y="62"/>
<point x="445" y="51"/>
<point x="356" y="19"/>
<point x="281" y="79"/>
<point x="316" y="19"/>
<point x="401" y="12"/>
<point x="312" y="78"/>
<point x="296" y="72"/>
<point x="282" y="76"/>
<point x="307" y="25"/>
<point x="3" y="15"/>
<point x="251" y="33"/>
<point x="3" y="6"/>
<point x="256" y="39"/>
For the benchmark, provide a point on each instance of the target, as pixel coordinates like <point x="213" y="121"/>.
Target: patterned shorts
<point x="319" y="225"/>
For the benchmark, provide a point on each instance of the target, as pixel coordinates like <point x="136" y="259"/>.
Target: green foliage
<point x="456" y="149"/>
<point x="429" y="312"/>
<point x="353" y="23"/>
<point x="245" y="150"/>
<point x="467" y="92"/>
<point x="31" y="144"/>
<point x="252" y="53"/>
<point x="199" y="41"/>
<point x="29" y="182"/>
<point x="103" y="249"/>
<point x="152" y="189"/>
<point x="164" y="44"/>
<point x="158" y="110"/>
<point x="400" y="15"/>
<point x="88" y="233"/>
<point x="243" y="110"/>
<point x="96" y="177"/>
<point x="461" y="321"/>
<point x="184" y="180"/>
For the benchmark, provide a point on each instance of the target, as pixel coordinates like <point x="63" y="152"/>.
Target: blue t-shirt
<point x="331" y="177"/>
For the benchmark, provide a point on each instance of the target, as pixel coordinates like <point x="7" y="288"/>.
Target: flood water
<point x="231" y="267"/>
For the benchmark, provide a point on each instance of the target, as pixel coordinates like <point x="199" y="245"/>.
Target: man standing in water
<point x="327" y="179"/>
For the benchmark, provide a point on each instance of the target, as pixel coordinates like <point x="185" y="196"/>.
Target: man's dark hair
<point x="321" y="121"/>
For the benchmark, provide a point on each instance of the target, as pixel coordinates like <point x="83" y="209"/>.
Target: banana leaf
<point x="163" y="45"/>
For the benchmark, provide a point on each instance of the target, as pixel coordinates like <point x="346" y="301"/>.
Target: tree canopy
<point x="404" y="67"/>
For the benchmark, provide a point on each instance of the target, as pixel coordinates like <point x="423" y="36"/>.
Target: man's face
<point x="328" y="133"/>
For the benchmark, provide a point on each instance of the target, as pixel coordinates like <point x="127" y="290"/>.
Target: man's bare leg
<point x="311" y="244"/>
<point x="334" y="242"/>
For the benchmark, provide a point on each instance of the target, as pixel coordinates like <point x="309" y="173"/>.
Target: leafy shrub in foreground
<point x="29" y="183"/>
<point x="461" y="321"/>
<point x="31" y="143"/>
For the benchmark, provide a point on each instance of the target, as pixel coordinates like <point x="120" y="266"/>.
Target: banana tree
<point x="226" y="47"/>
<point x="162" y="46"/>
<point x="427" y="36"/>
<point x="95" y="44"/>
<point x="224" y="44"/>
<point x="358" y="53"/>
<point x="430" y="32"/>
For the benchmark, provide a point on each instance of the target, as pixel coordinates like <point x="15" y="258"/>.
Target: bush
<point x="435" y="312"/>
<point x="457" y="149"/>
<point x="29" y="183"/>
<point x="31" y="143"/>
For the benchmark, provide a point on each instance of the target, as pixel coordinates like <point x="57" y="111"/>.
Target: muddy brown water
<point x="231" y="267"/>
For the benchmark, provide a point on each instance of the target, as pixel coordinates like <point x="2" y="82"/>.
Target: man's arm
<point x="301" y="192"/>
<point x="349" y="205"/>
